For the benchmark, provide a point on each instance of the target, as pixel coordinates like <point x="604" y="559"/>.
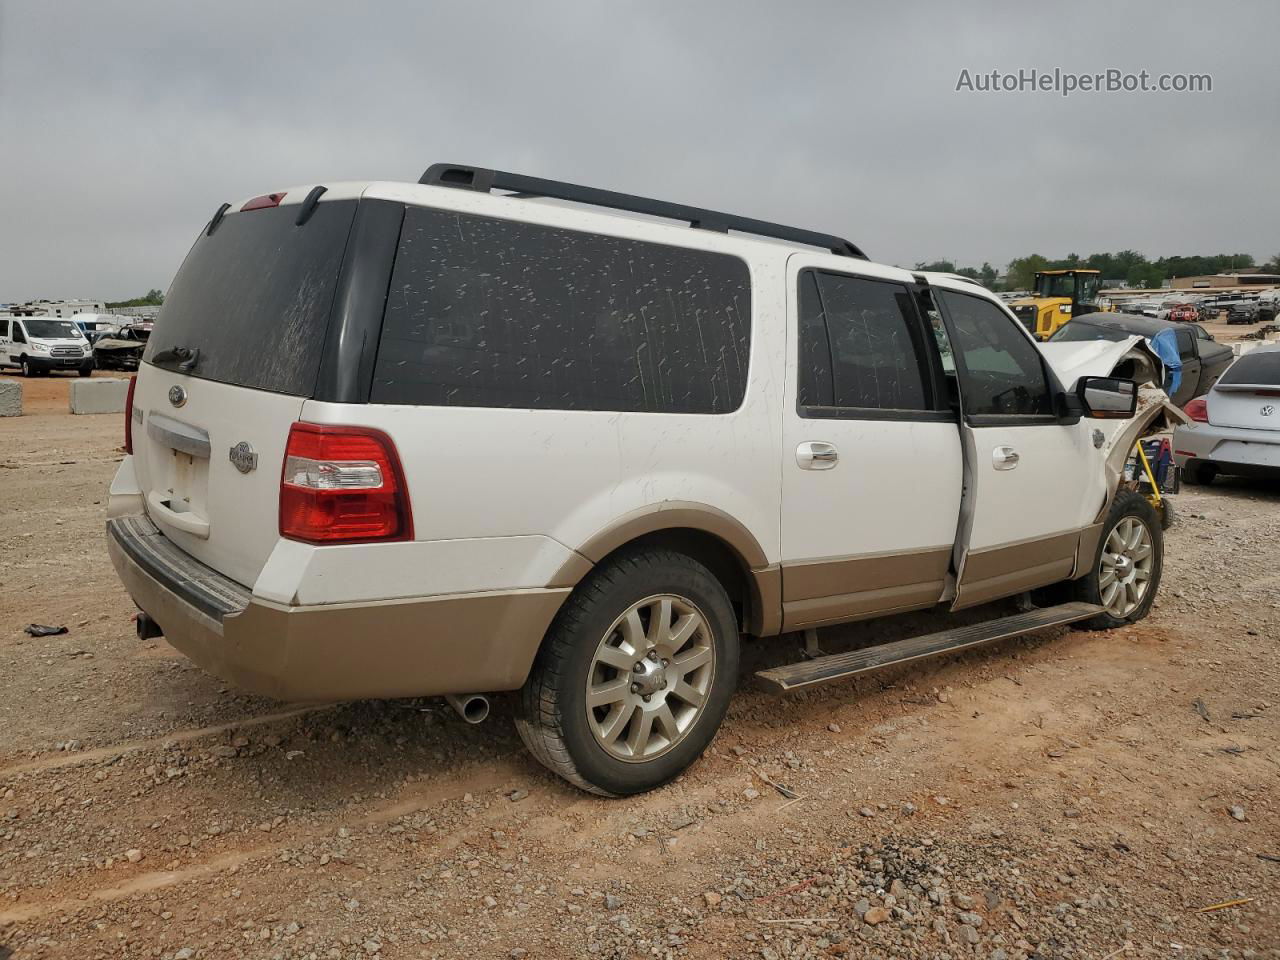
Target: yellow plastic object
<point x="1146" y="465"/>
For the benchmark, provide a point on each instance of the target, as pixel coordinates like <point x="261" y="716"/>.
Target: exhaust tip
<point x="471" y="707"/>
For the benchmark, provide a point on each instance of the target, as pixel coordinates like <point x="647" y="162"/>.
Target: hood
<point x="1132" y="358"/>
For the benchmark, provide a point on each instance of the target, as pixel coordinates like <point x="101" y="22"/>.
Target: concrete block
<point x="99" y="396"/>
<point x="10" y="398"/>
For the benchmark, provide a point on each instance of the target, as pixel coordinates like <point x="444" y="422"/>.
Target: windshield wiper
<point x="185" y="357"/>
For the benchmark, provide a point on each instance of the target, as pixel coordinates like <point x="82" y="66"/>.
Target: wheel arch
<point x="712" y="537"/>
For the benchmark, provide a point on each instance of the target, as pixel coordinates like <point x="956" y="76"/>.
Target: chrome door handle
<point x="816" y="455"/>
<point x="1004" y="458"/>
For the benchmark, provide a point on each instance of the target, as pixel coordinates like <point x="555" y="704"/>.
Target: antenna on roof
<point x="483" y="180"/>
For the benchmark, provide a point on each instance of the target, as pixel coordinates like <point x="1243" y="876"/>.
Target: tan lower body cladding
<point x="1011" y="568"/>
<point x="840" y="589"/>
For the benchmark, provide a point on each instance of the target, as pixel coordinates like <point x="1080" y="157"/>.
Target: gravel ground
<point x="1063" y="795"/>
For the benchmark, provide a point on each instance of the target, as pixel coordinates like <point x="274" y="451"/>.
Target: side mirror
<point x="1107" y="398"/>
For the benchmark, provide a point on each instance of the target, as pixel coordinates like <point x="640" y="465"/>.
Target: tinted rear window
<point x="494" y="313"/>
<point x="1259" y="366"/>
<point x="254" y="298"/>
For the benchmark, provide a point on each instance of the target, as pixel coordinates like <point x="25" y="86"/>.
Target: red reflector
<point x="1184" y="453"/>
<point x="1197" y="409"/>
<point x="1267" y="393"/>
<point x="266" y="200"/>
<point x="128" y="416"/>
<point x="342" y="485"/>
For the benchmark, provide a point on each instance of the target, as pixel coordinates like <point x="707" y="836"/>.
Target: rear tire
<point x="1166" y="513"/>
<point x="649" y="601"/>
<point x="1125" y="575"/>
<point x="1198" y="473"/>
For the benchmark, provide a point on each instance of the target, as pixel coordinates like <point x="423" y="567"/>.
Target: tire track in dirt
<point x="419" y="796"/>
<point x="123" y="748"/>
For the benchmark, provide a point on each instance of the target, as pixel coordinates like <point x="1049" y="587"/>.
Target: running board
<point x="837" y="666"/>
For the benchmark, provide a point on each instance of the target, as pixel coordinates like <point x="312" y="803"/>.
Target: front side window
<point x="18" y="335"/>
<point x="861" y="345"/>
<point x="1001" y="370"/>
<point x="497" y="313"/>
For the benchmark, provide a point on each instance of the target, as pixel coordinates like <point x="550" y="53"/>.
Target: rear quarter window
<point x="495" y="313"/>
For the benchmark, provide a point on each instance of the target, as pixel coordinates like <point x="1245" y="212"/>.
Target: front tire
<point x="1127" y="565"/>
<point x="634" y="676"/>
<point x="27" y="370"/>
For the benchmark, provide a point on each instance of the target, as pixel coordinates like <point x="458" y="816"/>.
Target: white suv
<point x="399" y="439"/>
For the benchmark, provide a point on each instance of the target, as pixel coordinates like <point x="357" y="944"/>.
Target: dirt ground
<point x="1069" y="794"/>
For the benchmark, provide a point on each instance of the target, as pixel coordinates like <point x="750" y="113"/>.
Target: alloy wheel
<point x="1124" y="572"/>
<point x="650" y="677"/>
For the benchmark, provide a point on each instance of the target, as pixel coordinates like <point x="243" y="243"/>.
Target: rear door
<point x="871" y="460"/>
<point x="1033" y="480"/>
<point x="4" y="341"/>
<point x="1191" y="366"/>
<point x="1248" y="394"/>
<point x="236" y="351"/>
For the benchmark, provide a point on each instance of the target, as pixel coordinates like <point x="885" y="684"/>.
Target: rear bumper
<point x="476" y="642"/>
<point x="1228" y="447"/>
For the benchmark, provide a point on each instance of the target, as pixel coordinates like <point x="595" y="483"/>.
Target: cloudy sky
<point x="123" y="125"/>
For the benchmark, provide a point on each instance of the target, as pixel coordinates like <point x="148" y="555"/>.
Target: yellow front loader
<point x="1059" y="296"/>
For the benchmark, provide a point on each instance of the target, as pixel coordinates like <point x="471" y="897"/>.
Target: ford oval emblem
<point x="243" y="457"/>
<point x="177" y="395"/>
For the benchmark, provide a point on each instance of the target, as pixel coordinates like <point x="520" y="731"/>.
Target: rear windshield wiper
<point x="185" y="357"/>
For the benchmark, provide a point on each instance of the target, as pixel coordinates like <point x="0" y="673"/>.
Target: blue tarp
<point x="1165" y="345"/>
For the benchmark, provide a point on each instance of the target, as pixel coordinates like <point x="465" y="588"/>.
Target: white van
<point x="37" y="345"/>
<point x="393" y="439"/>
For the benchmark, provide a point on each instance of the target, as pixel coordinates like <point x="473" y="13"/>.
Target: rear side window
<point x="861" y="345"/>
<point x="1258" y="366"/>
<point x="254" y="298"/>
<point x="495" y="313"/>
<point x="1001" y="373"/>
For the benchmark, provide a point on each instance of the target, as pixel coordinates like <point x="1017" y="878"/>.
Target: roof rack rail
<point x="484" y="180"/>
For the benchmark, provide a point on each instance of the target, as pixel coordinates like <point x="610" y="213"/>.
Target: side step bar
<point x="837" y="666"/>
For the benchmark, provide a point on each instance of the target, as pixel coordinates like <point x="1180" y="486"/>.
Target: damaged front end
<point x="1132" y="359"/>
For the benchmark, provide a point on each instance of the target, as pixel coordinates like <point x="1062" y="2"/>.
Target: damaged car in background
<point x="1192" y="360"/>
<point x="121" y="348"/>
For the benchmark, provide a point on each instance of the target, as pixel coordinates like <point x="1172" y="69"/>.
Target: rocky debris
<point x="1237" y="812"/>
<point x="875" y="915"/>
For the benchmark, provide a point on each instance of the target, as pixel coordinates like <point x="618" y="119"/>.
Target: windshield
<point x="1075" y="331"/>
<point x="254" y="299"/>
<point x="43" y="329"/>
<point x="1055" y="285"/>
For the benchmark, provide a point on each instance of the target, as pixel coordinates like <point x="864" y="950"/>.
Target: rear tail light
<point x="1198" y="410"/>
<point x="128" y="416"/>
<point x="343" y="485"/>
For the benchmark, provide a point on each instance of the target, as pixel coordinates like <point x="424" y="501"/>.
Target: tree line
<point x="1127" y="265"/>
<point x="152" y="298"/>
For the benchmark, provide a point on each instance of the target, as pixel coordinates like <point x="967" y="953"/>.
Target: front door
<point x="1036" y="480"/>
<point x="871" y="464"/>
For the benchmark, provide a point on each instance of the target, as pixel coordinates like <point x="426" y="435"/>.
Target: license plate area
<point x="181" y="466"/>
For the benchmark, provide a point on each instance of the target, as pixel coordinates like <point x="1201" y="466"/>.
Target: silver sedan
<point x="1236" y="428"/>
